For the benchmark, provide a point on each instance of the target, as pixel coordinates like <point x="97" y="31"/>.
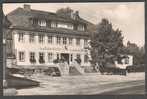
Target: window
<point x="50" y="39"/>
<point x="85" y="58"/>
<point x="35" y="22"/>
<point x="57" y="56"/>
<point x="71" y="57"/>
<point x="50" y="55"/>
<point x="32" y="58"/>
<point x="21" y="37"/>
<point x="78" y="56"/>
<point x="32" y="38"/>
<point x="58" y="40"/>
<point x="85" y="42"/>
<point x="41" y="58"/>
<point x="53" y="24"/>
<point x="78" y="59"/>
<point x="41" y="38"/>
<point x="64" y="40"/>
<point x="70" y="41"/>
<point x="21" y="56"/>
<point x="70" y="26"/>
<point x="42" y="22"/>
<point x="81" y="27"/>
<point x="78" y="41"/>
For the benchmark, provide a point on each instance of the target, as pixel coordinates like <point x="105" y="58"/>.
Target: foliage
<point x="65" y="12"/>
<point x="106" y="44"/>
<point x="138" y="53"/>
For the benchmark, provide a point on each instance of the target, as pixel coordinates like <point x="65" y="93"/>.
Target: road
<point x="88" y="84"/>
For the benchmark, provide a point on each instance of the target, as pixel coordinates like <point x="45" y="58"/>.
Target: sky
<point x="129" y="17"/>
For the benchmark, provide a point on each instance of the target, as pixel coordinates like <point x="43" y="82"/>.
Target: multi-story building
<point x="40" y="37"/>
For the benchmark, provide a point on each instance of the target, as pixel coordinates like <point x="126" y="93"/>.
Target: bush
<point x="136" y="68"/>
<point x="52" y="71"/>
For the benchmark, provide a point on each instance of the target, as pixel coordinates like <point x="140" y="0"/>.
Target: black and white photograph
<point x="73" y="48"/>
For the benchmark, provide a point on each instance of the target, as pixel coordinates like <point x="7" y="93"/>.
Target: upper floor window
<point x="21" y="56"/>
<point x="41" y="38"/>
<point x="32" y="38"/>
<point x="65" y="25"/>
<point x="70" y="26"/>
<point x="81" y="27"/>
<point x="34" y="21"/>
<point x="53" y="24"/>
<point x="50" y="39"/>
<point x="42" y="22"/>
<point x="58" y="40"/>
<point x="64" y="40"/>
<point x="21" y="37"/>
<point x="85" y="42"/>
<point x="70" y="41"/>
<point x="78" y="41"/>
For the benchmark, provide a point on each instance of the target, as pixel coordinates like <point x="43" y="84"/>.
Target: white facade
<point x="24" y="47"/>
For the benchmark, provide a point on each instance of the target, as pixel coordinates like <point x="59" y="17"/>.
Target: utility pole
<point x="6" y="91"/>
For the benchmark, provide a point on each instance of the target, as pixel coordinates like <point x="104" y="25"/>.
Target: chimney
<point x="27" y="7"/>
<point x="76" y="14"/>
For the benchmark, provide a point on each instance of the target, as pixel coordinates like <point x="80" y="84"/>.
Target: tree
<point x="66" y="12"/>
<point x="138" y="53"/>
<point x="106" y="44"/>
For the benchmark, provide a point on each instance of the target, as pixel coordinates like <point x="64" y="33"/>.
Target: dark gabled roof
<point x="20" y="17"/>
<point x="6" y="22"/>
<point x="45" y="15"/>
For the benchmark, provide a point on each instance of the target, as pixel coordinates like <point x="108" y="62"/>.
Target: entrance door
<point x="65" y="57"/>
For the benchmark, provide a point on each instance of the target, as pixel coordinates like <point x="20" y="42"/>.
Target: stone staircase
<point x="64" y="69"/>
<point x="73" y="69"/>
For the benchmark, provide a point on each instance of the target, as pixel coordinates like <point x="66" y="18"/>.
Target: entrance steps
<point x="66" y="69"/>
<point x="74" y="71"/>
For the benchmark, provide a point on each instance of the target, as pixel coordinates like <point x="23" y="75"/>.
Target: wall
<point x="37" y="47"/>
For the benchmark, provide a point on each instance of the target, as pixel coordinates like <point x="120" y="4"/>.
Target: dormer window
<point x="42" y="22"/>
<point x="81" y="27"/>
<point x="53" y="24"/>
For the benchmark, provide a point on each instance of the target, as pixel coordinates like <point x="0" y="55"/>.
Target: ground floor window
<point x="71" y="57"/>
<point x="21" y="56"/>
<point x="50" y="57"/>
<point x="85" y="58"/>
<point x="32" y="57"/>
<point x="41" y="58"/>
<point x="78" y="59"/>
